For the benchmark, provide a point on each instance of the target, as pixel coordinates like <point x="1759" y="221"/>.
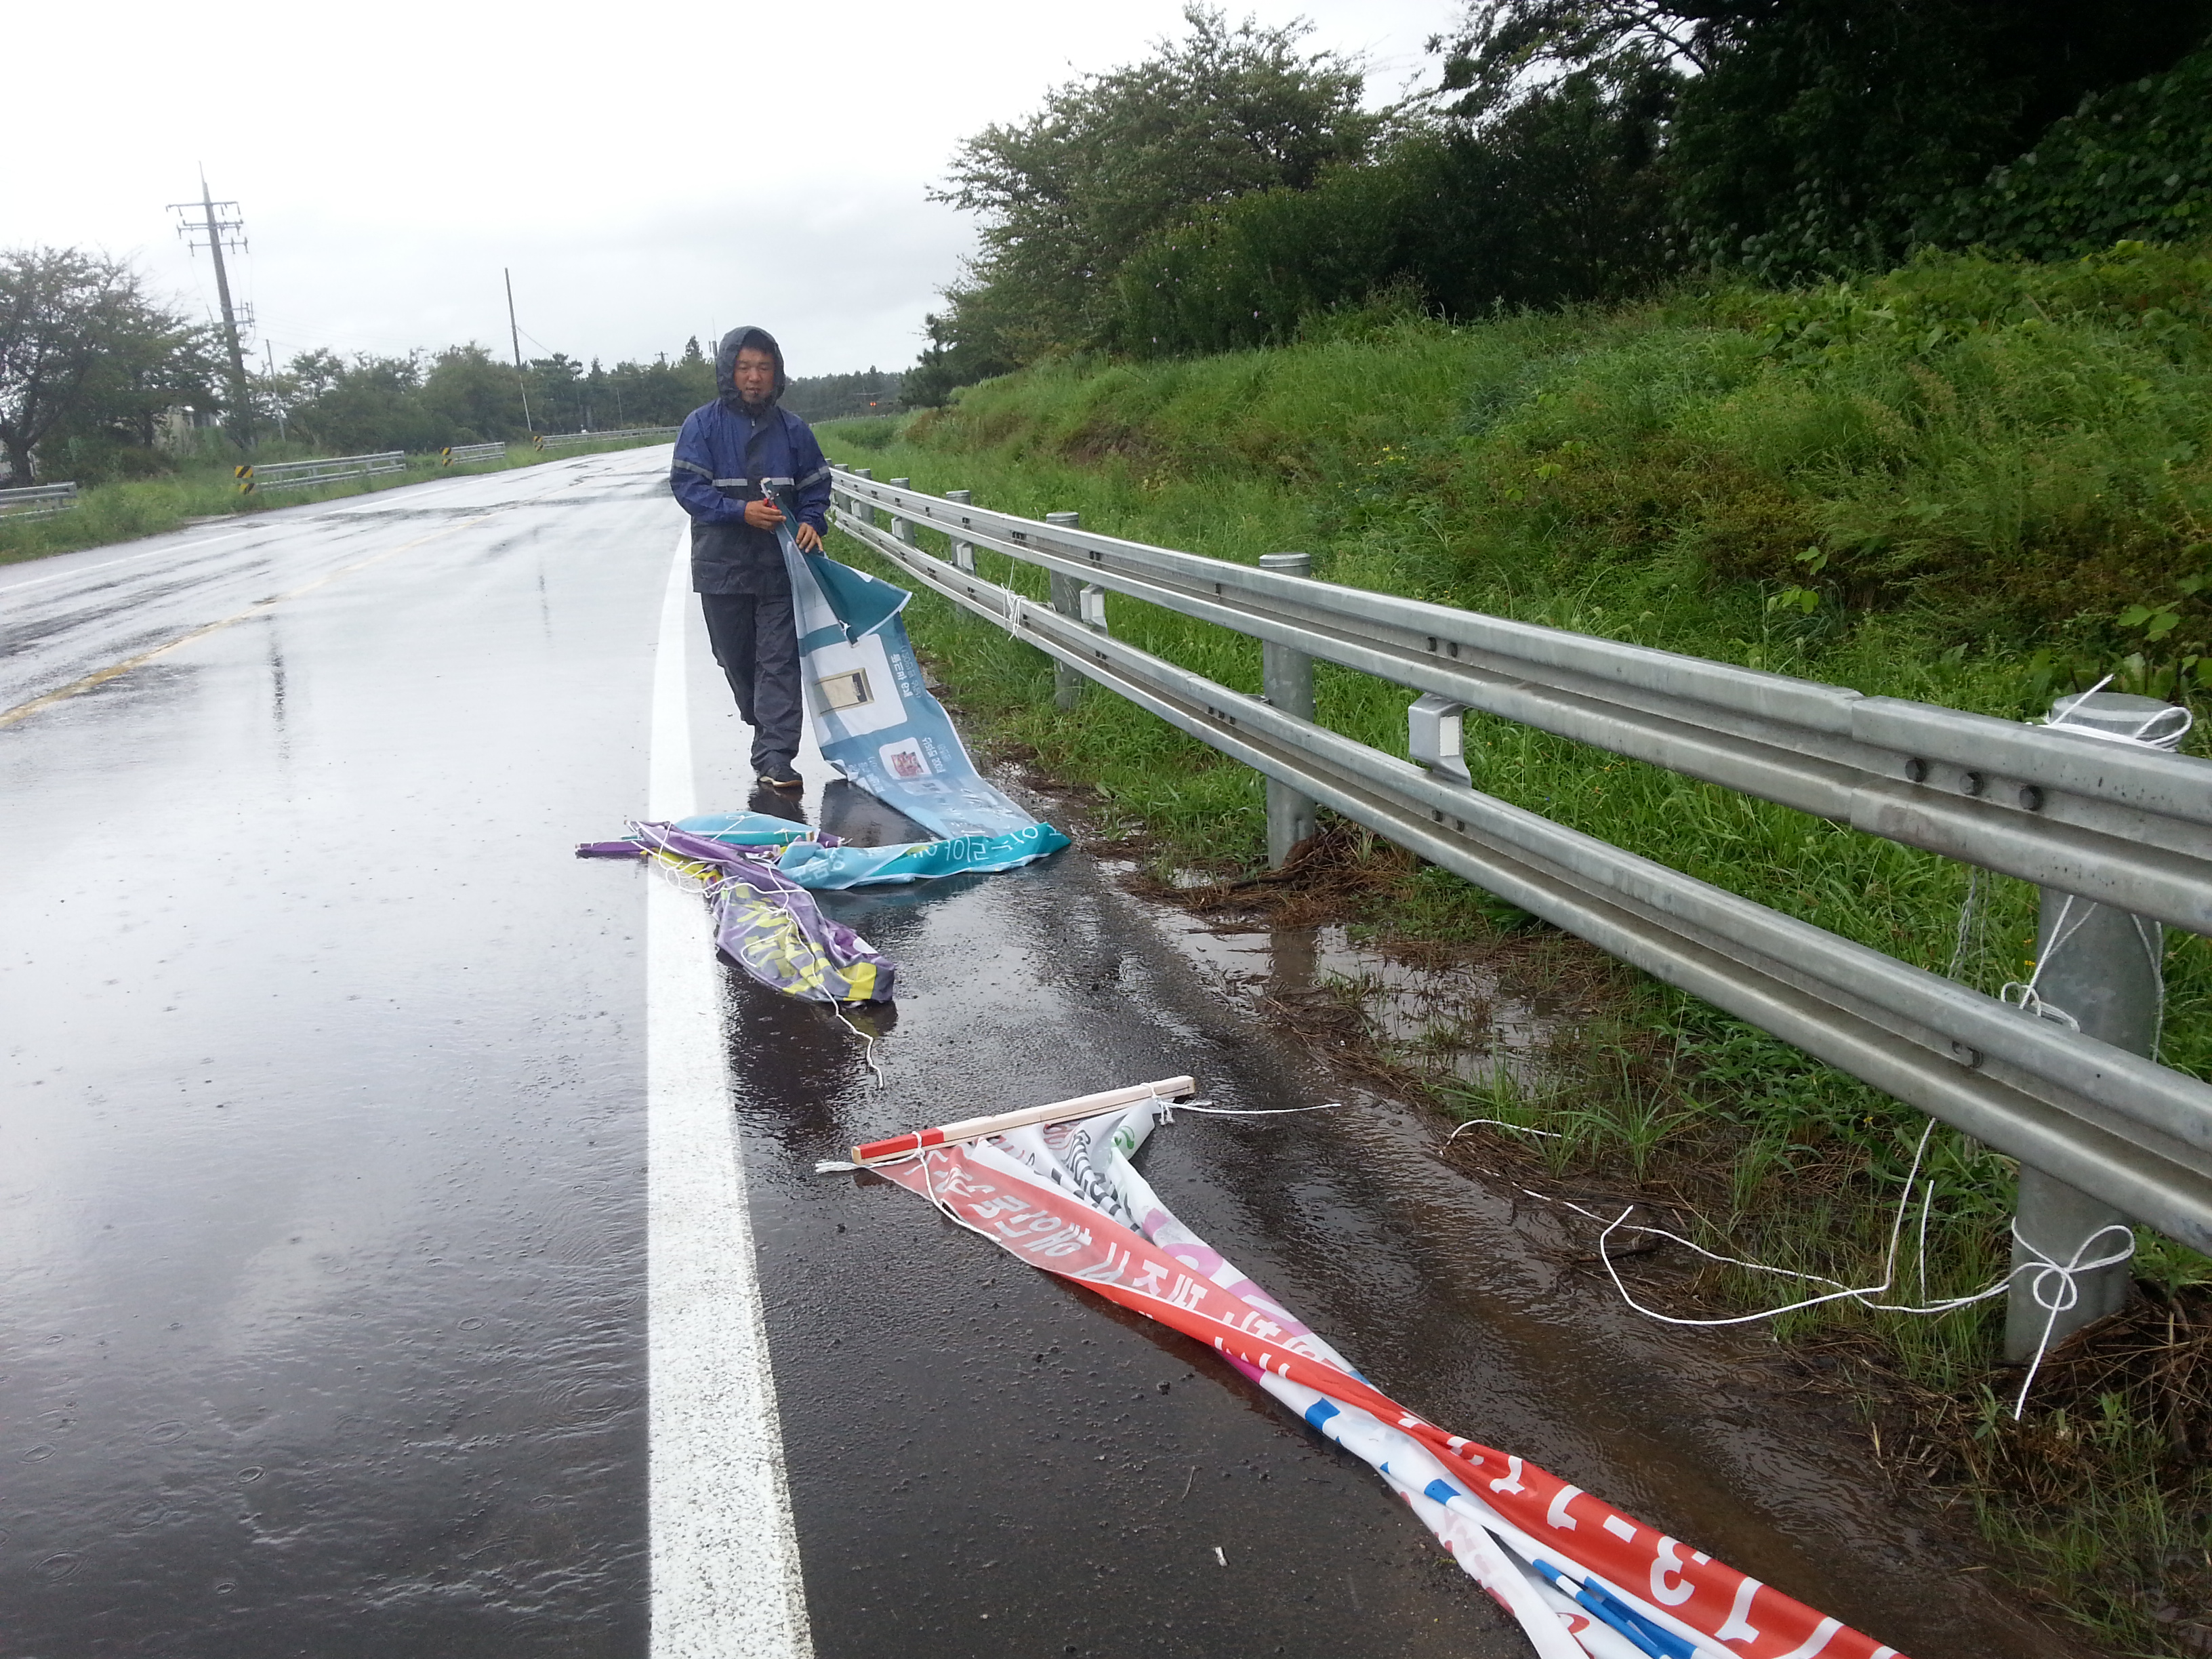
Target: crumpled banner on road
<point x="1582" y="1579"/>
<point x="873" y="715"/>
<point x="817" y="859"/>
<point x="876" y="722"/>
<point x="768" y="924"/>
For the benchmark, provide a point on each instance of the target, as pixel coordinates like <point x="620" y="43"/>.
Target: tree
<point x="474" y="398"/>
<point x="842" y="397"/>
<point x="81" y="342"/>
<point x="1556" y="200"/>
<point x="556" y="392"/>
<point x="367" y="405"/>
<point x="1111" y="159"/>
<point x="1810" y="134"/>
<point x="1504" y="49"/>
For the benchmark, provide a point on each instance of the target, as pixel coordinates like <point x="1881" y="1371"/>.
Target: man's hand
<point x="764" y="514"/>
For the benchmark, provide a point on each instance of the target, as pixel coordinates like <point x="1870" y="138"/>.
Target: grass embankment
<point x="1967" y="483"/>
<point x="202" y="488"/>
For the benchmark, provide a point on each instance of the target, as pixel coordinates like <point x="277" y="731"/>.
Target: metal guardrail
<point x="2116" y="1126"/>
<point x="563" y="439"/>
<point x="255" y="477"/>
<point x="462" y="454"/>
<point x="2116" y="825"/>
<point x="37" y="501"/>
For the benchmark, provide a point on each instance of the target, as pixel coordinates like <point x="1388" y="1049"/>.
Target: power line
<point x="221" y="223"/>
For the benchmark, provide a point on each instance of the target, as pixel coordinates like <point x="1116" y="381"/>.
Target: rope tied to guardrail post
<point x="2052" y="1283"/>
<point x="2044" y="1271"/>
<point x="2066" y="719"/>
<point x="2160" y="730"/>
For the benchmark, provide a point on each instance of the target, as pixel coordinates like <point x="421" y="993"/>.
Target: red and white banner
<point x="1583" y="1578"/>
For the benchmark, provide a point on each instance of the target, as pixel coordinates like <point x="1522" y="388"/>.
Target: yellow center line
<point x="98" y="677"/>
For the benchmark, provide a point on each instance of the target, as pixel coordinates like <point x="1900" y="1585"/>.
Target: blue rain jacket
<point x="726" y="456"/>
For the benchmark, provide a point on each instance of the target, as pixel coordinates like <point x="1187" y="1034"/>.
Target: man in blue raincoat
<point x="733" y="458"/>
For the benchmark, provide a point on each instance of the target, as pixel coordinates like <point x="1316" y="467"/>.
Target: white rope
<point x="1841" y="1291"/>
<point x="1548" y="1134"/>
<point x="2030" y="1000"/>
<point x="867" y="1042"/>
<point x="2141" y="737"/>
<point x="2062" y="1273"/>
<point x="2046" y="1271"/>
<point x="2052" y="1283"/>
<point x="1168" y="1109"/>
<point x="2065" y="719"/>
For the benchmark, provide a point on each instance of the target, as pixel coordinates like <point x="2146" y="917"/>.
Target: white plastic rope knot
<point x="2053" y="1286"/>
<point x="2163" y="730"/>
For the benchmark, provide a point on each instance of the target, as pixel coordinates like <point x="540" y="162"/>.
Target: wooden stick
<point x="975" y="1129"/>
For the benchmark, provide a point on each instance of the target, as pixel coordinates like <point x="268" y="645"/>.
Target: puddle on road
<point x="1467" y="1021"/>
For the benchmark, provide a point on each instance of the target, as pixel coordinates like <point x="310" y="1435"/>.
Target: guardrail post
<point x="1068" y="600"/>
<point x="963" y="553"/>
<point x="2103" y="969"/>
<point x="1286" y="681"/>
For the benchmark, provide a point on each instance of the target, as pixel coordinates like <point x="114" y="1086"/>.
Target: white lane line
<point x="725" y="1575"/>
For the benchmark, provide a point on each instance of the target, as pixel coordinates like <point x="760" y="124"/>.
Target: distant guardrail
<point x="37" y="501"/>
<point x="563" y="440"/>
<point x="255" y="477"/>
<point x="462" y="454"/>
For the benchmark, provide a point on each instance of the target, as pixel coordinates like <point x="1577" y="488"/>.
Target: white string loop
<point x="1548" y="1134"/>
<point x="1168" y="1109"/>
<point x="2140" y="738"/>
<point x="2030" y="1000"/>
<point x="2046" y="1273"/>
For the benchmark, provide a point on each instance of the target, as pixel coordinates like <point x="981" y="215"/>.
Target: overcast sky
<point x="648" y="171"/>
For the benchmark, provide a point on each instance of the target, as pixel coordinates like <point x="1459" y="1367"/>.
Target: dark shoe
<point x="782" y="777"/>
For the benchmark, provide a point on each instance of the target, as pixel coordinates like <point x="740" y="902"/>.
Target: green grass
<point x="204" y="488"/>
<point x="1969" y="484"/>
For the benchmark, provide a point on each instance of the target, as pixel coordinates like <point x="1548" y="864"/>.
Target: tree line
<point x="1233" y="185"/>
<point x="101" y="379"/>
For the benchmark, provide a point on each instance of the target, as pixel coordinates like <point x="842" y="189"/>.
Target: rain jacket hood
<point x="726" y="362"/>
<point x="728" y="455"/>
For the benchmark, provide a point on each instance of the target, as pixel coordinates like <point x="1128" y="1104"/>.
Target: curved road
<point x="362" y="1151"/>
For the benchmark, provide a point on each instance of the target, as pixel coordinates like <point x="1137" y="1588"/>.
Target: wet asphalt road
<point x="322" y="1178"/>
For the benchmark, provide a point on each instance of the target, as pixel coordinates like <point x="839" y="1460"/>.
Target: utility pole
<point x="514" y="336"/>
<point x="220" y="223"/>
